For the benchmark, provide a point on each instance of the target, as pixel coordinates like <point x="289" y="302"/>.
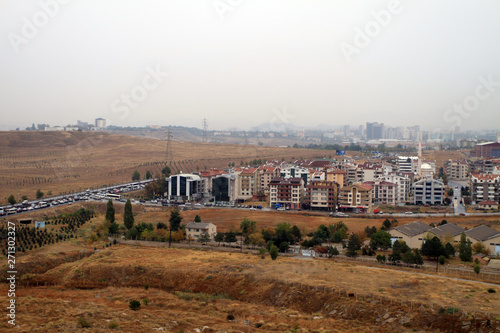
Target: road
<point x="457" y="202"/>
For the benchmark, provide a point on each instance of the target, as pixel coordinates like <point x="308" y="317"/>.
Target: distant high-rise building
<point x="100" y="124"/>
<point x="374" y="131"/>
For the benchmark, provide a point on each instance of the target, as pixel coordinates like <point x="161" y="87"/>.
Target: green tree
<point x="450" y="249"/>
<point x="175" y="222"/>
<point x="296" y="233"/>
<point x="166" y="171"/>
<point x="219" y="237"/>
<point x="128" y="216"/>
<point x="24" y="197"/>
<point x="197" y="218"/>
<point x="110" y="212"/>
<point x="284" y="233"/>
<point x="39" y="194"/>
<point x="433" y="248"/>
<point x="136" y="176"/>
<point x="148" y="175"/>
<point x="353" y="245"/>
<point x="11" y="199"/>
<point x="477" y="269"/>
<point x="273" y="252"/>
<point x="204" y="238"/>
<point x="230" y="237"/>
<point x="380" y="239"/>
<point x="247" y="227"/>
<point x="464" y="248"/>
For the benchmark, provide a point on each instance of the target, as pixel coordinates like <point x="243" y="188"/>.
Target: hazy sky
<point x="250" y="62"/>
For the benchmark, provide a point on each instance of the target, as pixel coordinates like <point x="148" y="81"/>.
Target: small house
<point x="412" y="233"/>
<point x="195" y="229"/>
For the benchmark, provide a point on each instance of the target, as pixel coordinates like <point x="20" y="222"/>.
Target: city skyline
<point x="305" y="65"/>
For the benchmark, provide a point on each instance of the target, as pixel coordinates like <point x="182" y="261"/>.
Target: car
<point x="281" y="208"/>
<point x="408" y="213"/>
<point x="154" y="201"/>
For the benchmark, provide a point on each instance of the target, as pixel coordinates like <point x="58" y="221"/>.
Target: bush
<point x="230" y="317"/>
<point x="262" y="252"/>
<point x="441" y="260"/>
<point x="145" y="301"/>
<point x="84" y="322"/>
<point x="491" y="290"/>
<point x="113" y="324"/>
<point x="134" y="305"/>
<point x="477" y="269"/>
<point x="273" y="251"/>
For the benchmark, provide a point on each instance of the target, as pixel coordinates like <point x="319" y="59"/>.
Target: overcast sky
<point x="250" y="63"/>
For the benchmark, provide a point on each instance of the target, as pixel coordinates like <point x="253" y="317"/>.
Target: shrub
<point x="145" y="301"/>
<point x="84" y="322"/>
<point x="113" y="324"/>
<point x="491" y="290"/>
<point x="230" y="317"/>
<point x="146" y="286"/>
<point x="477" y="269"/>
<point x="134" y="305"/>
<point x="273" y="251"/>
<point x="441" y="260"/>
<point x="262" y="252"/>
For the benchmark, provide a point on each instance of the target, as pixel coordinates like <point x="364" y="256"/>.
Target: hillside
<point x="73" y="161"/>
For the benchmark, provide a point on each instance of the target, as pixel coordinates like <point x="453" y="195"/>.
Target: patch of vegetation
<point x="84" y="322"/>
<point x="200" y="296"/>
<point x="134" y="305"/>
<point x="491" y="290"/>
<point x="113" y="324"/>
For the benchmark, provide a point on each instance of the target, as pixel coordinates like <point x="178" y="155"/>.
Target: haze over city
<point x="243" y="64"/>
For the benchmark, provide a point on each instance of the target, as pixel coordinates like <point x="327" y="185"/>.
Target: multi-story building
<point x="292" y="171"/>
<point x="356" y="197"/>
<point x="336" y="175"/>
<point x="195" y="229"/>
<point x="247" y="184"/>
<point x="428" y="192"/>
<point x="374" y="131"/>
<point x="457" y="170"/>
<point x="486" y="149"/>
<point x="354" y="174"/>
<point x="183" y="186"/>
<point x="224" y="187"/>
<point x="383" y="192"/>
<point x="403" y="186"/>
<point x="265" y="174"/>
<point x="206" y="177"/>
<point x="322" y="194"/>
<point x="484" y="187"/>
<point x="407" y="164"/>
<point x="286" y="192"/>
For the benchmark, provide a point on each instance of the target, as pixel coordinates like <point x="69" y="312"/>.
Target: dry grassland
<point x="280" y="295"/>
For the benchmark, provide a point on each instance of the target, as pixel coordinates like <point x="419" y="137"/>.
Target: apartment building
<point x="265" y="174"/>
<point x="484" y="187"/>
<point x="286" y="192"/>
<point x="457" y="169"/>
<point x="322" y="195"/>
<point x="356" y="197"/>
<point x="247" y="181"/>
<point x="428" y="192"/>
<point x="403" y="186"/>
<point x="383" y="192"/>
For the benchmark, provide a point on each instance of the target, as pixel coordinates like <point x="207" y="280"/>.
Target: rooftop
<point x="482" y="233"/>
<point x="413" y="228"/>
<point x="448" y="229"/>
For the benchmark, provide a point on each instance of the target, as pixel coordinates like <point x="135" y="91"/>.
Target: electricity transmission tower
<point x="169" y="156"/>
<point x="205" y="130"/>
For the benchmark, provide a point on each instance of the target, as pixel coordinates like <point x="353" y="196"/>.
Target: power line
<point x="205" y="130"/>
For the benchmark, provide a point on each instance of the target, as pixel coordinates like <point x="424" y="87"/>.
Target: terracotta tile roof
<point x="248" y="171"/>
<point x="487" y="202"/>
<point x="485" y="176"/>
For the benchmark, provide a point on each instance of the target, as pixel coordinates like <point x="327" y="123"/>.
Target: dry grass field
<point x="185" y="290"/>
<point x="64" y="162"/>
<point x="189" y="289"/>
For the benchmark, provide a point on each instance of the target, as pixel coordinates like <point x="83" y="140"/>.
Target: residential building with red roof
<point x="484" y="186"/>
<point x="356" y="197"/>
<point x="288" y="192"/>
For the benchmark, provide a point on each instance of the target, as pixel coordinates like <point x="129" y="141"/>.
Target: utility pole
<point x="169" y="154"/>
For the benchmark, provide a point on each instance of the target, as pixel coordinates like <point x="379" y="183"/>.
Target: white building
<point x="403" y="190"/>
<point x="428" y="192"/>
<point x="100" y="124"/>
<point x="184" y="187"/>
